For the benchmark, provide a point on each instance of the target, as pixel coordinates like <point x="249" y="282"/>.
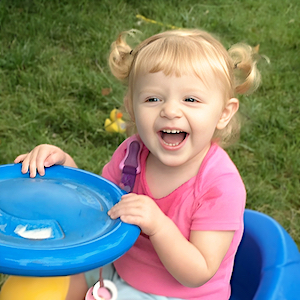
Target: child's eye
<point x="190" y="100"/>
<point x="152" y="100"/>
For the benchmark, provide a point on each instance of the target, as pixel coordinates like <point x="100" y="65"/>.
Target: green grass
<point x="53" y="68"/>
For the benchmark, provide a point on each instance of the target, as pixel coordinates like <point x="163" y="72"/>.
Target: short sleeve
<point x="221" y="205"/>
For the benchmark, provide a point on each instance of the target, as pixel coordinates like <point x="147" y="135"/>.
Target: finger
<point x="53" y="159"/>
<point x="29" y="164"/>
<point x="123" y="209"/>
<point x="20" y="158"/>
<point x="131" y="219"/>
<point x="125" y="215"/>
<point x="40" y="168"/>
<point x="123" y="201"/>
<point x="129" y="202"/>
<point x="122" y="205"/>
<point x="41" y="158"/>
<point x="32" y="168"/>
<point x="25" y="163"/>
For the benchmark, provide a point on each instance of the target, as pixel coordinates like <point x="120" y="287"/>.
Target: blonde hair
<point x="178" y="52"/>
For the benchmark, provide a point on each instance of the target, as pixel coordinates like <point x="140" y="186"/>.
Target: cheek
<point x="145" y="125"/>
<point x="142" y="124"/>
<point x="204" y="123"/>
<point x="140" y="121"/>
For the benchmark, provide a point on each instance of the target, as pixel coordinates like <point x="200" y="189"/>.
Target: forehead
<point x="181" y="56"/>
<point x="186" y="85"/>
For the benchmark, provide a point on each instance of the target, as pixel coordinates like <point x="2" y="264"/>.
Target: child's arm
<point x="44" y="156"/>
<point x="192" y="262"/>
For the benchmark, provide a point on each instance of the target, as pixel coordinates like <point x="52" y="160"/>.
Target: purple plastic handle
<point x="132" y="158"/>
<point x="130" y="165"/>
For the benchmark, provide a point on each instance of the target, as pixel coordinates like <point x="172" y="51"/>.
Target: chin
<point x="172" y="163"/>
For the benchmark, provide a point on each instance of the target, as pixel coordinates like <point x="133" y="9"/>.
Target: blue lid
<point x="58" y="224"/>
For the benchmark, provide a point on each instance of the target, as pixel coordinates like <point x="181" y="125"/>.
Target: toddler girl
<point x="188" y="198"/>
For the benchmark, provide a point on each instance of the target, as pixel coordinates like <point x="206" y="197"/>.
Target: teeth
<point x="172" y="145"/>
<point x="171" y="131"/>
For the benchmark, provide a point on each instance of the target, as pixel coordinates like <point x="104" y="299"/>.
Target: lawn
<point x="55" y="85"/>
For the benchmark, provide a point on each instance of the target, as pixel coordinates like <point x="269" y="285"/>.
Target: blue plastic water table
<point x="57" y="224"/>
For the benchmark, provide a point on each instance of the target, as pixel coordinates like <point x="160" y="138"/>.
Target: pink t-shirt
<point x="212" y="200"/>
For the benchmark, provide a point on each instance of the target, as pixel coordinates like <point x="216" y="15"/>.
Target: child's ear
<point x="229" y="110"/>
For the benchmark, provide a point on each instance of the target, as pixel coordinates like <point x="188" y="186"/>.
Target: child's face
<point x="176" y="116"/>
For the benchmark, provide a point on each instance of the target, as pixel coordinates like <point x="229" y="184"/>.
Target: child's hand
<point x="139" y="210"/>
<point x="40" y="157"/>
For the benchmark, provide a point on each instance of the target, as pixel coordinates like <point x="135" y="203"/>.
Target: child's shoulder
<point x="218" y="167"/>
<point x="217" y="159"/>
<point x="218" y="172"/>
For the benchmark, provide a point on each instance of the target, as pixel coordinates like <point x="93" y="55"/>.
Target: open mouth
<point x="172" y="137"/>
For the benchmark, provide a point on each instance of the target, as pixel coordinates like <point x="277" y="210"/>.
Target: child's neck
<point x="163" y="180"/>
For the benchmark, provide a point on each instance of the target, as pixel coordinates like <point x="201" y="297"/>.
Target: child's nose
<point x="171" y="110"/>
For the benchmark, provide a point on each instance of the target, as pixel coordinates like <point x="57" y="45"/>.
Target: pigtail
<point x="246" y="75"/>
<point x="121" y="57"/>
<point x="245" y="79"/>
